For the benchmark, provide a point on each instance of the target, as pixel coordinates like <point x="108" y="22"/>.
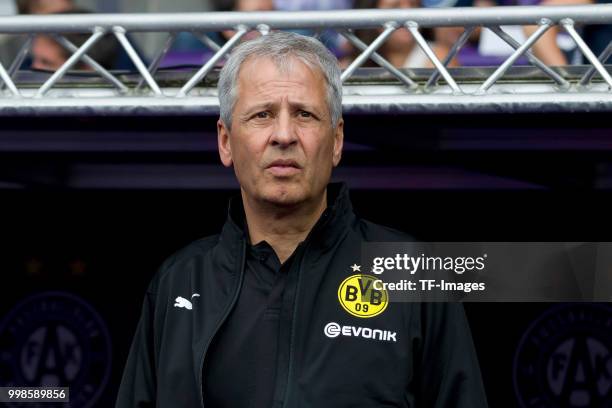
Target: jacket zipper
<point x="225" y="315"/>
<point x="295" y="307"/>
<point x="292" y="337"/>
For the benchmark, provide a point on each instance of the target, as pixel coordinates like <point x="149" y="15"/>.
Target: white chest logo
<point x="182" y="302"/>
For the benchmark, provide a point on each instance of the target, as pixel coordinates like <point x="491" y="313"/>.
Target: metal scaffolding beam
<point x="371" y="18"/>
<point x="387" y="89"/>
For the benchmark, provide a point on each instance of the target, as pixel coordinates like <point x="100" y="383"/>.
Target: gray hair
<point x="278" y="46"/>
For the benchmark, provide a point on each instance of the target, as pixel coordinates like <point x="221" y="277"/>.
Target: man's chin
<point x="285" y="195"/>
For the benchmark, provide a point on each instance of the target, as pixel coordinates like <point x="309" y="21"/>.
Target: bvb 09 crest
<point x="565" y="359"/>
<point x="358" y="296"/>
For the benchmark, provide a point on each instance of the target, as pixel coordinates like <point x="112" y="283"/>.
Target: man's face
<point x="47" y="54"/>
<point x="281" y="144"/>
<point x="50" y="6"/>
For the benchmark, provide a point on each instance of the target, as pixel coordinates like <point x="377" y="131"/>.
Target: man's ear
<point x="338" y="142"/>
<point x="223" y="142"/>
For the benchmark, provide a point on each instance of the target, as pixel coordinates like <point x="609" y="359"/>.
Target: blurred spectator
<point x="598" y="36"/>
<point x="554" y="48"/>
<point x="283" y="5"/>
<point x="401" y="49"/>
<point x="243" y="5"/>
<point x="546" y="48"/>
<point x="300" y="5"/>
<point x="337" y="44"/>
<point x="446" y="37"/>
<point x="48" y="54"/>
<point x="44" y="6"/>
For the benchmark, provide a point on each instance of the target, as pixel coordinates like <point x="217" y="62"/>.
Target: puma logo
<point x="182" y="302"/>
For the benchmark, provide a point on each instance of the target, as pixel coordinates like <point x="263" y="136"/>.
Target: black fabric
<point x="246" y="346"/>
<point x="430" y="361"/>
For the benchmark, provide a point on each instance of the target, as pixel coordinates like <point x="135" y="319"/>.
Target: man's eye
<point x="305" y="114"/>
<point x="262" y="115"/>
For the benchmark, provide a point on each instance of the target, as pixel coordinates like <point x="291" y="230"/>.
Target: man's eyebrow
<point x="272" y="105"/>
<point x="303" y="106"/>
<point x="260" y="106"/>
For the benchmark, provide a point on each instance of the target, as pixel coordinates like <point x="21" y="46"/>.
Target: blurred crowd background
<point x="483" y="49"/>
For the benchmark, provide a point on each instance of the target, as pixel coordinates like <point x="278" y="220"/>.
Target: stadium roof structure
<point x="149" y="90"/>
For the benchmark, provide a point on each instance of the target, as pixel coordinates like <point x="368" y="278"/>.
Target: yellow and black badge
<point x="358" y="296"/>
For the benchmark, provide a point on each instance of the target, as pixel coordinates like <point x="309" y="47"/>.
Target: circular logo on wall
<point x="55" y="339"/>
<point x="359" y="297"/>
<point x="564" y="360"/>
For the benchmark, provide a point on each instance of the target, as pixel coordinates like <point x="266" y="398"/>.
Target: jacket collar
<point x="330" y="227"/>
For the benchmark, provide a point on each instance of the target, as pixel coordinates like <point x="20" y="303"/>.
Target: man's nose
<point x="284" y="133"/>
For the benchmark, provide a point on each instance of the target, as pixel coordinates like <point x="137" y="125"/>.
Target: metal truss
<point x="388" y="89"/>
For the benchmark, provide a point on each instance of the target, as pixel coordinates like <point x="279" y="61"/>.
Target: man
<point x="48" y="54"/>
<point x="44" y="6"/>
<point x="252" y="317"/>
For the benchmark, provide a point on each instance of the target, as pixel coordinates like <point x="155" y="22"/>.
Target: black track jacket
<point x="410" y="355"/>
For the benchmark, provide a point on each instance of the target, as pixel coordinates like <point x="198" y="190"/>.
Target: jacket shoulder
<point x="380" y="233"/>
<point x="200" y="247"/>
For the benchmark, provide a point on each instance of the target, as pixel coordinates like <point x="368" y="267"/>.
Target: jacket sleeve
<point x="449" y="373"/>
<point x="138" y="384"/>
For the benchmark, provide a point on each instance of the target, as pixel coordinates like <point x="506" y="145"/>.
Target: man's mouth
<point x="284" y="167"/>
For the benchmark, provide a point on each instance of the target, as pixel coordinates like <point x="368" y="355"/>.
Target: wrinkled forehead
<point x="264" y="79"/>
<point x="283" y="63"/>
<point x="262" y="68"/>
